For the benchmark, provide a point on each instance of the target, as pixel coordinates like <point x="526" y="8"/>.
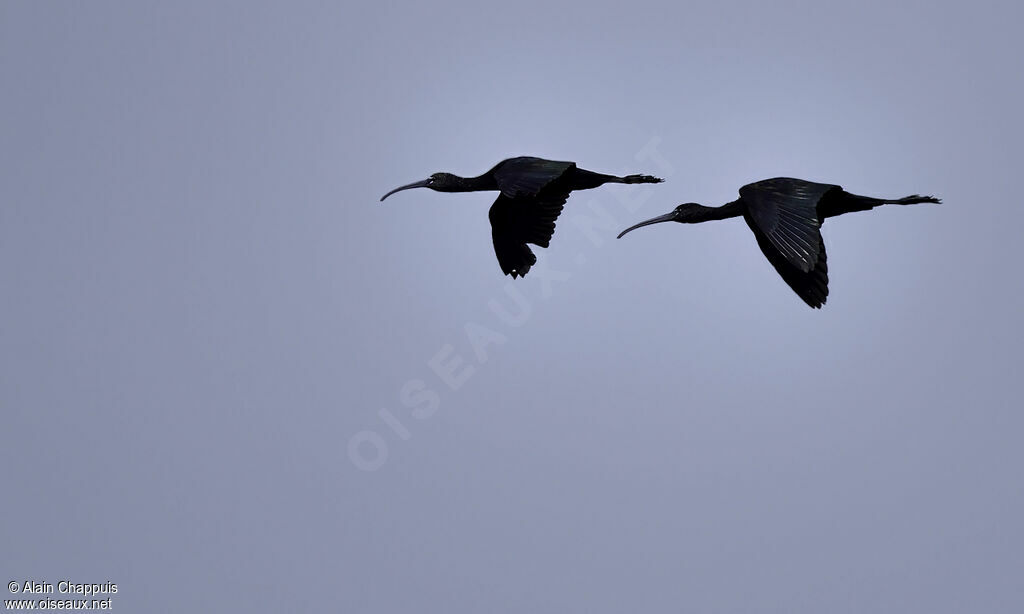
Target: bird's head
<point x="440" y="182"/>
<point x="685" y="213"/>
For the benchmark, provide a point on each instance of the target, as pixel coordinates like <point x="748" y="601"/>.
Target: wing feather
<point x="810" y="285"/>
<point x="527" y="176"/>
<point x="518" y="221"/>
<point x="784" y="210"/>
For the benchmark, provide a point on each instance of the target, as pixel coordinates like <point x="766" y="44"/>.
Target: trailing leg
<point x="583" y="179"/>
<point x="839" y="202"/>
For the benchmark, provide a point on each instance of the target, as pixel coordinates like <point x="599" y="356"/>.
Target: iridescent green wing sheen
<point x="527" y="176"/>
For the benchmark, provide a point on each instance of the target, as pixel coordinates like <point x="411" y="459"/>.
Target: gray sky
<point x="204" y="305"/>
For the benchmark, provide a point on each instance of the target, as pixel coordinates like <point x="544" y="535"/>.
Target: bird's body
<point x="785" y="215"/>
<point x="533" y="192"/>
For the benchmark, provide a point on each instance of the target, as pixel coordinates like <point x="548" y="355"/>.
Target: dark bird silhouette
<point x="533" y="192"/>
<point x="785" y="215"/>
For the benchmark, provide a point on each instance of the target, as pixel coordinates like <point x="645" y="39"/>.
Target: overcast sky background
<point x="203" y="305"/>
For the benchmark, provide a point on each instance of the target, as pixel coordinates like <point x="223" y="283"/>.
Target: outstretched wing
<point x="526" y="176"/>
<point x="785" y="211"/>
<point x="810" y="285"/>
<point x="518" y="221"/>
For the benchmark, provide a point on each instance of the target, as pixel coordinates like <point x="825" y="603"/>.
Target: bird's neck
<point x="699" y="213"/>
<point x="472" y="184"/>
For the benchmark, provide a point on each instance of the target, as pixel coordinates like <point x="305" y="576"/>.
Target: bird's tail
<point x="641" y="179"/>
<point x="914" y="199"/>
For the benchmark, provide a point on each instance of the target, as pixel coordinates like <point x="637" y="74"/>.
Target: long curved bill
<point x="408" y="186"/>
<point x="668" y="217"/>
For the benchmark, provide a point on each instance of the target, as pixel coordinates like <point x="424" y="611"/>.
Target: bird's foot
<point x="641" y="179"/>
